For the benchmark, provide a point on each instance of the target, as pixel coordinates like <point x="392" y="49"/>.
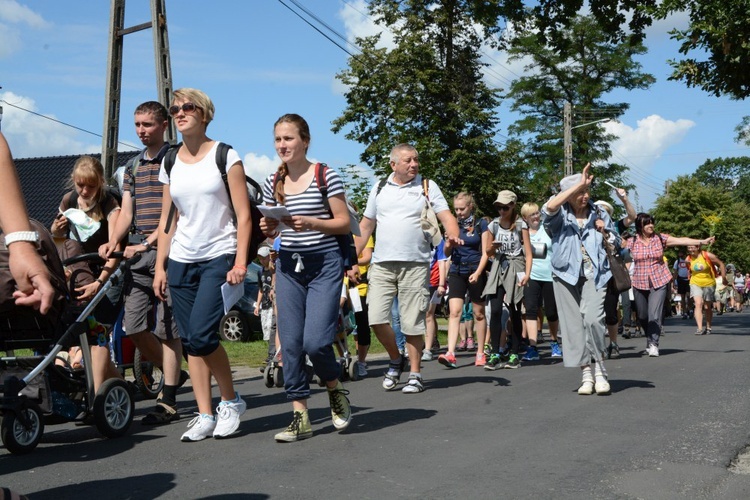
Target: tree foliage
<point x="729" y="174"/>
<point x="582" y="70"/>
<point x="429" y="91"/>
<point x="697" y="210"/>
<point x="720" y="29"/>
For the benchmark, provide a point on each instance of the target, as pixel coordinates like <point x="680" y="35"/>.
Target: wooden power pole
<point x="163" y="64"/>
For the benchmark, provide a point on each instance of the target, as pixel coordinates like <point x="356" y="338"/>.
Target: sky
<point x="257" y="60"/>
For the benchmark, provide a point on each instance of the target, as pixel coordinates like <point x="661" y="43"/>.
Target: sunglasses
<point x="503" y="208"/>
<point x="188" y="107"/>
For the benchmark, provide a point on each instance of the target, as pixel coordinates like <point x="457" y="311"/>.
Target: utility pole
<point x="568" y="137"/>
<point x="117" y="32"/>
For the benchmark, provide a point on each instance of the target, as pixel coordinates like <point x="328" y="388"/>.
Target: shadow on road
<point x="619" y="385"/>
<point x="147" y="486"/>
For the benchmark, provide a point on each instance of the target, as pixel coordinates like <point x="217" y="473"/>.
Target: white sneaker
<point x="229" y="416"/>
<point x="587" y="388"/>
<point x="426" y="355"/>
<point x="361" y="369"/>
<point x="653" y="351"/>
<point x="602" y="386"/>
<point x="201" y="427"/>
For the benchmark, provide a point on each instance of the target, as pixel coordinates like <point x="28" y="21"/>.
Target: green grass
<point x="254" y="353"/>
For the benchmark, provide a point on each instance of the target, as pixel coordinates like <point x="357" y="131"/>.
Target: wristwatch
<point x="146" y="244"/>
<point x="31" y="236"/>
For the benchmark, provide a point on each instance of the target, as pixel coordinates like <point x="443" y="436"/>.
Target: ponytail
<point x="278" y="188"/>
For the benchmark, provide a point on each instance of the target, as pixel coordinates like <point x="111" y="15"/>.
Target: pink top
<point x="649" y="271"/>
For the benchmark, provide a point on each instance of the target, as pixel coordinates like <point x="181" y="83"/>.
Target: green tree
<point x="586" y="68"/>
<point x="729" y="174"/>
<point x="693" y="209"/>
<point x="429" y="91"/>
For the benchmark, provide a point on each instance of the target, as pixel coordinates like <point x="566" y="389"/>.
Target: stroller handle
<point x="94" y="257"/>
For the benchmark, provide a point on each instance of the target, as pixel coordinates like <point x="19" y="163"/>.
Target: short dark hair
<point x="157" y="108"/>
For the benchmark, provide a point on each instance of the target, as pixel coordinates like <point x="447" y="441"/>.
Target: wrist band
<point x="243" y="269"/>
<point x="99" y="280"/>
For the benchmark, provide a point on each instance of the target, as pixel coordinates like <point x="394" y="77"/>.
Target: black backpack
<point x="253" y="189"/>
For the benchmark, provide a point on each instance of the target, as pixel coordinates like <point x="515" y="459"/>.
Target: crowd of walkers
<point x="185" y="209"/>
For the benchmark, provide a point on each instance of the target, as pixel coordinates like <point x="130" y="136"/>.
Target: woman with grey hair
<point x="580" y="273"/>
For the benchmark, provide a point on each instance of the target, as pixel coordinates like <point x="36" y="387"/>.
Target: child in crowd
<point x="264" y="305"/>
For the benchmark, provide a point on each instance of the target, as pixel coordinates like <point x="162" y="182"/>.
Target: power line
<point x="318" y="30"/>
<point x="63" y="123"/>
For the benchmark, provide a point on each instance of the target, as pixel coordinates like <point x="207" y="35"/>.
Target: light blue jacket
<point x="567" y="238"/>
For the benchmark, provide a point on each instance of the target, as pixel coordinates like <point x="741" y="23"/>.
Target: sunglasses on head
<point x="188" y="107"/>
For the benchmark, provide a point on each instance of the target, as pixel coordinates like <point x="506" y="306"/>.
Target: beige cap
<point x="505" y="197"/>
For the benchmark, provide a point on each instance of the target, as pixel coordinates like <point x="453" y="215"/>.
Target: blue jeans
<point x="308" y="311"/>
<point x="396" y="325"/>
<point x="197" y="305"/>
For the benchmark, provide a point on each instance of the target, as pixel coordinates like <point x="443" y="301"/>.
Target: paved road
<point x="669" y="430"/>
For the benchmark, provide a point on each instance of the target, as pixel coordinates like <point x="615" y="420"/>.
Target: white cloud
<point x="12" y="13"/>
<point x="652" y="136"/>
<point x="33" y="136"/>
<point x="258" y="167"/>
<point x="16" y="13"/>
<point x="359" y="24"/>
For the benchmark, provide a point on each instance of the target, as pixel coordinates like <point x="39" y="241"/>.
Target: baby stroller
<point x="35" y="390"/>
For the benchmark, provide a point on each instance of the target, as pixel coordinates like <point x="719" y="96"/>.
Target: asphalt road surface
<point x="670" y="429"/>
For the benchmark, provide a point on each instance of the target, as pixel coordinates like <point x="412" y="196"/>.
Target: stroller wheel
<point x="278" y="376"/>
<point x="113" y="408"/>
<point x="353" y="370"/>
<point x="148" y="377"/>
<point x="268" y="375"/>
<point x="18" y="438"/>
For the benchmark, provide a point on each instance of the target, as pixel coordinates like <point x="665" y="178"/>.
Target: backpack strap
<point x="709" y="263"/>
<point x="321" y="180"/>
<point x="381" y="185"/>
<point x="169" y="160"/>
<point x="222" y="150"/>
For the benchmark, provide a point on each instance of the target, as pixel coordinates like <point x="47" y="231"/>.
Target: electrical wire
<point x="64" y="123"/>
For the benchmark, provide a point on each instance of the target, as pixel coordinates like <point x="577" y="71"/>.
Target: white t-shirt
<point x="397" y="211"/>
<point x="206" y="228"/>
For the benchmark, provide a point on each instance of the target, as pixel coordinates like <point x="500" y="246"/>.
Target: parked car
<point x="240" y="324"/>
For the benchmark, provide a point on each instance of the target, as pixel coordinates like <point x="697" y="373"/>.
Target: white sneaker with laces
<point x="229" y="413"/>
<point x="426" y="355"/>
<point x="200" y="427"/>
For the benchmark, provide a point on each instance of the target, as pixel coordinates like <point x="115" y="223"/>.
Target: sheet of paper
<point x="436" y="298"/>
<point x="520" y="275"/>
<point x="356" y="300"/>
<point x="276" y="213"/>
<point x="230" y="294"/>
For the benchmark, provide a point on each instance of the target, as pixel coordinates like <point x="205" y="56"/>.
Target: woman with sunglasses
<point x="204" y="247"/>
<point x="580" y="273"/>
<point x="509" y="245"/>
<point x="466" y="274"/>
<point x="651" y="276"/>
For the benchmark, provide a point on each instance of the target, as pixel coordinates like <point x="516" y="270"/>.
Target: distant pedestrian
<point x="702" y="266"/>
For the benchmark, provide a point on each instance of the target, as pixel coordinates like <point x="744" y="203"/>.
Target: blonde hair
<point x="197" y="97"/>
<point x="528" y="209"/>
<point x="90" y="171"/>
<point x="467" y="197"/>
<point x="304" y="133"/>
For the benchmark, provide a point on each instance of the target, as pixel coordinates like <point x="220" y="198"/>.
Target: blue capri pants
<point x="197" y="305"/>
<point x="307" y="302"/>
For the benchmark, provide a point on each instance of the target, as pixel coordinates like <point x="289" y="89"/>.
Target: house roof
<point x="44" y="181"/>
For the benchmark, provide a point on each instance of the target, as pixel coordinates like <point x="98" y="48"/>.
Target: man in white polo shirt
<point x="400" y="261"/>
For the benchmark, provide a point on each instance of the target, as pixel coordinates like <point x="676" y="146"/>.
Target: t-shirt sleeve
<point x="335" y="184"/>
<point x="163" y="177"/>
<point x="371" y="209"/>
<point x="439" y="204"/>
<point x="127" y="177"/>
<point x="268" y="198"/>
<point x="233" y="158"/>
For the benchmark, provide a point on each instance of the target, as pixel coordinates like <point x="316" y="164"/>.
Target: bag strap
<point x="321" y="180"/>
<point x="169" y="160"/>
<point x="709" y="263"/>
